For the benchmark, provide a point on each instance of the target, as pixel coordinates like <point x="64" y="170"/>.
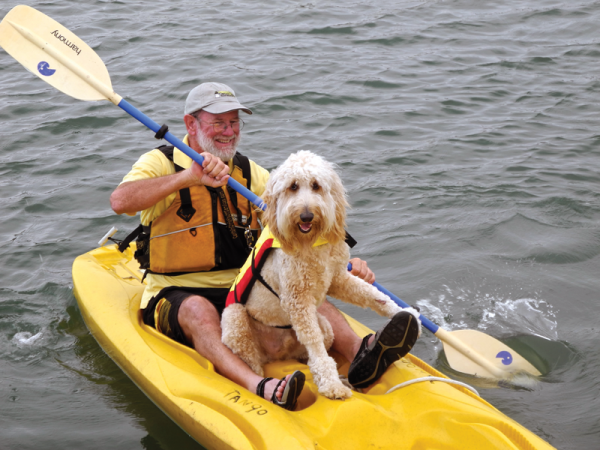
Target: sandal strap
<point x="364" y="344"/>
<point x="274" y="396"/>
<point x="291" y="392"/>
<point x="260" y="388"/>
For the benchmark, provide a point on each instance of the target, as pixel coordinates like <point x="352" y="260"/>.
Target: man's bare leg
<point x="346" y="341"/>
<point x="201" y="325"/>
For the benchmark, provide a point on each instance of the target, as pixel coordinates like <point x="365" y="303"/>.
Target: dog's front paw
<point x="417" y="316"/>
<point x="335" y="390"/>
<point x="394" y="310"/>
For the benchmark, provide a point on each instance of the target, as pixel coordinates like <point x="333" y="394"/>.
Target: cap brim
<point x="223" y="107"/>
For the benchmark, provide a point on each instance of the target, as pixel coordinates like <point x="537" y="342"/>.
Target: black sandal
<point x="291" y="392"/>
<point x="391" y="343"/>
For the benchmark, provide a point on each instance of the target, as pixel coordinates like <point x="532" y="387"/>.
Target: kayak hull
<point x="222" y="415"/>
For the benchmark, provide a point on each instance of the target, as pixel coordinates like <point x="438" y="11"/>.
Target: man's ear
<point x="191" y="124"/>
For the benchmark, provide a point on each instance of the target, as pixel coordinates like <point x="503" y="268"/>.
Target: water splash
<point x="25" y="338"/>
<point x="461" y="309"/>
<point x="521" y="315"/>
<point x="527" y="325"/>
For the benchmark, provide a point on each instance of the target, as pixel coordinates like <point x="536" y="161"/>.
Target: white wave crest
<point x="26" y="338"/>
<point x="491" y="314"/>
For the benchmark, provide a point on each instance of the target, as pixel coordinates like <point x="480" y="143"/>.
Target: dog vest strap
<point x="250" y="272"/>
<point x="283" y="327"/>
<point x="350" y="240"/>
<point x="256" y="269"/>
<point x="240" y="290"/>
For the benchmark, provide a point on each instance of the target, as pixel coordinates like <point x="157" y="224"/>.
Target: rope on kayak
<point x="444" y="380"/>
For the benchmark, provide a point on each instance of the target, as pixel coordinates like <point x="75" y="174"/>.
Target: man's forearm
<point x="133" y="196"/>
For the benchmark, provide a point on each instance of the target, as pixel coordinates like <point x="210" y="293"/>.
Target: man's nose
<point x="228" y="131"/>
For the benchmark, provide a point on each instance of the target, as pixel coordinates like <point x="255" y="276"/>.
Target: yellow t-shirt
<point x="155" y="164"/>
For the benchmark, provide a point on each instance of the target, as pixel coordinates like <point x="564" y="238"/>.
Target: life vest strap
<point x="256" y="269"/>
<point x="226" y="211"/>
<point x="283" y="327"/>
<point x="186" y="211"/>
<point x="124" y="244"/>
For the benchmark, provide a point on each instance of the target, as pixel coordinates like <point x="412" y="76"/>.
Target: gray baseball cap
<point x="215" y="98"/>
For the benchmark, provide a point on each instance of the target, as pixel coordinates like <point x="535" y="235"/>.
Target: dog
<point x="306" y="214"/>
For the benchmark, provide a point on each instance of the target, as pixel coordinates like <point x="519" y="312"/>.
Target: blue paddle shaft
<point x="424" y="320"/>
<point x="137" y="114"/>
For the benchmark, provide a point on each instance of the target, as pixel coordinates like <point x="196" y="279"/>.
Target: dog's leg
<point x="327" y="331"/>
<point x="304" y="318"/>
<point x="351" y="289"/>
<point x="238" y="336"/>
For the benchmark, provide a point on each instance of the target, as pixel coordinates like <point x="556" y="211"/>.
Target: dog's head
<point x="306" y="199"/>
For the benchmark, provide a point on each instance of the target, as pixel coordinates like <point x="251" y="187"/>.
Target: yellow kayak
<point x="219" y="414"/>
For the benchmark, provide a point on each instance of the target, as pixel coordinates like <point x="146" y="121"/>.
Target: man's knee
<point x="332" y="314"/>
<point x="196" y="311"/>
<point x="327" y="308"/>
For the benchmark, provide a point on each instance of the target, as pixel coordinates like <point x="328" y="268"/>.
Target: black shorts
<point x="161" y="312"/>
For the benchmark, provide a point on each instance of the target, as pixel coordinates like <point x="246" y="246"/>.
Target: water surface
<point x="467" y="137"/>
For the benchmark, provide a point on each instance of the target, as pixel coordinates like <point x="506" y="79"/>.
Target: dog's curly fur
<point x="303" y="275"/>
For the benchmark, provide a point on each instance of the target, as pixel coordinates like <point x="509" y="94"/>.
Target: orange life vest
<point x="204" y="229"/>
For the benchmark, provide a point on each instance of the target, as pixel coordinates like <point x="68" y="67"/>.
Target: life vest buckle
<point x="249" y="237"/>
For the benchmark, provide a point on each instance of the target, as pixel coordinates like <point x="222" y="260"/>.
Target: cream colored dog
<point x="306" y="201"/>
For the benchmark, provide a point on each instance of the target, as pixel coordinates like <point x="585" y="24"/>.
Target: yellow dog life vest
<point x="250" y="271"/>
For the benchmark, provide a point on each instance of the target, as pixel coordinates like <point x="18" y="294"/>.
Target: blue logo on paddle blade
<point x="506" y="357"/>
<point x="44" y="69"/>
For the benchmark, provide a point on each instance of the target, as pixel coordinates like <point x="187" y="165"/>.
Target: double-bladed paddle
<point x="56" y="55"/>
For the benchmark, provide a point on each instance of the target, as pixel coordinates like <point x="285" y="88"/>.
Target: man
<point x="186" y="204"/>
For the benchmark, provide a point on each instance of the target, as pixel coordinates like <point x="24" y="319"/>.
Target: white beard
<point x="208" y="145"/>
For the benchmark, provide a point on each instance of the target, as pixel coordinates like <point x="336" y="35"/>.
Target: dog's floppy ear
<point x="270" y="215"/>
<point x="337" y="233"/>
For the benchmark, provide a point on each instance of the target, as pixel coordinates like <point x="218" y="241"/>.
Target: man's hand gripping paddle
<point x="56" y="55"/>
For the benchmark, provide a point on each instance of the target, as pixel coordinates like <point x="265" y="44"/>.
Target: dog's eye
<point x="294" y="186"/>
<point x="315" y="186"/>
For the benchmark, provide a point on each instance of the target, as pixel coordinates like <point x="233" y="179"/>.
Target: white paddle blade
<point x="490" y="358"/>
<point x="53" y="53"/>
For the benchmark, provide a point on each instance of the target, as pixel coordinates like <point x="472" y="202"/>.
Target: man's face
<point x="218" y="134"/>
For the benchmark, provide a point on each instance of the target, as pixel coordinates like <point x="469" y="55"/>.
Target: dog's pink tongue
<point x="306" y="226"/>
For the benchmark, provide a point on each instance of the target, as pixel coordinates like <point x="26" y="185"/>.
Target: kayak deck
<point x="220" y="414"/>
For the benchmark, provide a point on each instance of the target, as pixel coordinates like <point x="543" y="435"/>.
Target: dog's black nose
<point x="306" y="216"/>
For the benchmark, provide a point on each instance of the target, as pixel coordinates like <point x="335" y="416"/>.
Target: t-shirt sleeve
<point x="150" y="165"/>
<point x="260" y="176"/>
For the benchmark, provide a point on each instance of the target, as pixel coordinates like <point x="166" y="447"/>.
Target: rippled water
<point x="466" y="134"/>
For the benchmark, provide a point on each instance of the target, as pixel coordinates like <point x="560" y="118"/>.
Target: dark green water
<point x="466" y="134"/>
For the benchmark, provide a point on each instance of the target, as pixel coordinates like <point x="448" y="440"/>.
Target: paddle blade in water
<point x="56" y="55"/>
<point x="500" y="360"/>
